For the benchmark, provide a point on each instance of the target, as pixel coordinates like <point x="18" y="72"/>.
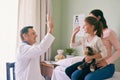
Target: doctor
<point x="27" y="65"/>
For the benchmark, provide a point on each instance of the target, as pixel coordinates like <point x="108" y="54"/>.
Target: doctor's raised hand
<point x="50" y="24"/>
<point x="27" y="66"/>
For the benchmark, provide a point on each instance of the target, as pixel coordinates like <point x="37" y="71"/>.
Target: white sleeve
<point x="77" y="43"/>
<point x="74" y="45"/>
<point x="37" y="50"/>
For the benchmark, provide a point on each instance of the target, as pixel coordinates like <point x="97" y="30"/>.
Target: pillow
<point x="69" y="61"/>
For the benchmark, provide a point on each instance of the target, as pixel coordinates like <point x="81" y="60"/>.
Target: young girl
<point x="94" y="30"/>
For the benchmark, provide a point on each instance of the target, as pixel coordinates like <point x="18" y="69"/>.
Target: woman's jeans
<point x="99" y="74"/>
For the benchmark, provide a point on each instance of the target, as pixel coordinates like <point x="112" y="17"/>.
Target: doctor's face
<point x="31" y="36"/>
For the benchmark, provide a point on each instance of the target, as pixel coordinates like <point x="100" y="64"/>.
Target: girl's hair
<point x="97" y="25"/>
<point x="97" y="12"/>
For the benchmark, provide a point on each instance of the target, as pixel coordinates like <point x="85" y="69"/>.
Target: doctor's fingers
<point x="49" y="22"/>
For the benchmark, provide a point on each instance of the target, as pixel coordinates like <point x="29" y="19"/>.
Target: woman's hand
<point x="88" y="59"/>
<point x="102" y="63"/>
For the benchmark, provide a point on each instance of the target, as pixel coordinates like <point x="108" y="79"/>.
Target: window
<point x="8" y="33"/>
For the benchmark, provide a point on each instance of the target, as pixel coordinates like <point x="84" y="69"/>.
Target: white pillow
<point x="69" y="61"/>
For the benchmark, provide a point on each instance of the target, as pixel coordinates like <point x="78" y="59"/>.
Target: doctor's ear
<point x="24" y="36"/>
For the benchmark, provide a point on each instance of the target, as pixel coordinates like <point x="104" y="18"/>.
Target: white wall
<point x="8" y="29"/>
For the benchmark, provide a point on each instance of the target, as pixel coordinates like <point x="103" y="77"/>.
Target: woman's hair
<point x="97" y="12"/>
<point x="97" y="25"/>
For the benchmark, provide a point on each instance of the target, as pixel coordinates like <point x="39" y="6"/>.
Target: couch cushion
<point x="116" y="76"/>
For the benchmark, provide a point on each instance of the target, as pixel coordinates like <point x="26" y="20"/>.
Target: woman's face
<point x="88" y="28"/>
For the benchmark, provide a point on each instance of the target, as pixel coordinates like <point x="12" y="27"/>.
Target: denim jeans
<point x="99" y="74"/>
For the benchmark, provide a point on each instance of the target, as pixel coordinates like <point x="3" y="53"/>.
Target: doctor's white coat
<point x="27" y="66"/>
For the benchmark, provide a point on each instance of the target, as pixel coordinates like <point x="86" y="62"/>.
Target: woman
<point x="94" y="30"/>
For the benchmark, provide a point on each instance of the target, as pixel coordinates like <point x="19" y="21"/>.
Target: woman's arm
<point x="116" y="45"/>
<point x="112" y="37"/>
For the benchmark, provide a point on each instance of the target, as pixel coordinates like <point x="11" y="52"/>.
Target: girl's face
<point x="88" y="28"/>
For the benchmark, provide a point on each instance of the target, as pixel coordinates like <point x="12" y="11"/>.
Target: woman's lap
<point x="100" y="74"/>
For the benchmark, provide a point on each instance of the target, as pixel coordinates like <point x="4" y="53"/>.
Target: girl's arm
<point x="74" y="44"/>
<point x="76" y="30"/>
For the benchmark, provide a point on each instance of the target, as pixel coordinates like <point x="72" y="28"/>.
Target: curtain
<point x="33" y="12"/>
<point x="45" y="8"/>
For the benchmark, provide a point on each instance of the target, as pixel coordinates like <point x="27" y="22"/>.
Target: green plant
<point x="69" y="51"/>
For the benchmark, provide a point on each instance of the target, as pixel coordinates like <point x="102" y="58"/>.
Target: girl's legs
<point x="101" y="74"/>
<point x="80" y="74"/>
<point x="76" y="75"/>
<point x="69" y="70"/>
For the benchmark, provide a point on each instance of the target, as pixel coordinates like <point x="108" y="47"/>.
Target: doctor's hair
<point x="99" y="13"/>
<point x="25" y="31"/>
<point x="97" y="25"/>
